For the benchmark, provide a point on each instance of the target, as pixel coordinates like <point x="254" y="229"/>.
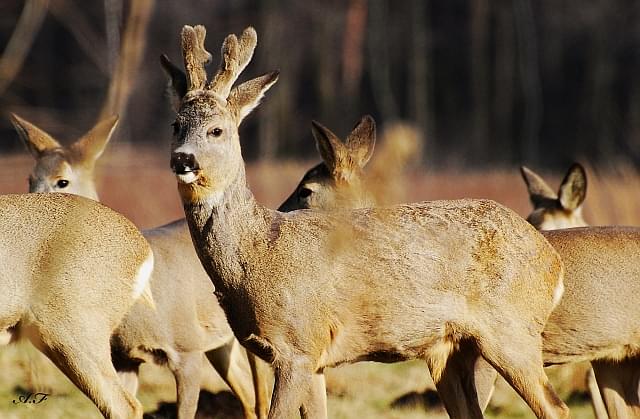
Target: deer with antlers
<point x="180" y="331"/>
<point x="307" y="290"/>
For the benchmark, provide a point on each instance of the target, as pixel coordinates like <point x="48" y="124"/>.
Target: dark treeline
<point x="489" y="82"/>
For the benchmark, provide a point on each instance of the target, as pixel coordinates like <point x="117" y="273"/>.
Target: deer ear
<point x="573" y="188"/>
<point x="362" y="141"/>
<point x="333" y="152"/>
<point x="92" y="144"/>
<point x="176" y="84"/>
<point x="539" y="191"/>
<point x="36" y="139"/>
<point x="246" y="96"/>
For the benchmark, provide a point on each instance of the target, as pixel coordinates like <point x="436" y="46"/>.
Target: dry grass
<point x="143" y="189"/>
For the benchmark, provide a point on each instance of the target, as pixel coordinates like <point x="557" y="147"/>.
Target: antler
<point x="195" y="56"/>
<point x="236" y="54"/>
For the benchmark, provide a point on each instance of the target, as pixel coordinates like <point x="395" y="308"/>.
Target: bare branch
<point x="133" y="46"/>
<point x="68" y="14"/>
<point x="21" y="40"/>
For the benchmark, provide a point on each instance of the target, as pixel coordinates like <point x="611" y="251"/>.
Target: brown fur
<point x="601" y="278"/>
<point x="69" y="270"/>
<point x="553" y="210"/>
<point x="412" y="281"/>
<point x="180" y="330"/>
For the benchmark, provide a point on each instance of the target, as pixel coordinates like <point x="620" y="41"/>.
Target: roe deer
<point x="552" y="211"/>
<point x="188" y="320"/>
<point x="306" y="290"/>
<point x="71" y="268"/>
<point x="346" y="185"/>
<point x="563" y="209"/>
<point x="620" y="382"/>
<point x="597" y="319"/>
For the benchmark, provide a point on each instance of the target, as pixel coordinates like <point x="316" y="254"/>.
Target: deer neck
<point x="224" y="228"/>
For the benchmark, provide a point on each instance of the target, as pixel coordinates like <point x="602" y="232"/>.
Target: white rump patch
<point x="141" y="284"/>
<point x="5" y="337"/>
<point x="559" y="291"/>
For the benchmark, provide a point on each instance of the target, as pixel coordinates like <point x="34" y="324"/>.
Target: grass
<point x="137" y="183"/>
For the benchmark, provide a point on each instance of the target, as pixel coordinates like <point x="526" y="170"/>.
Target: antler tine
<point x="236" y="54"/>
<point x="195" y="56"/>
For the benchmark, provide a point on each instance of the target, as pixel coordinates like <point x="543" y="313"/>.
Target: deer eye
<point x="216" y="132"/>
<point x="305" y="192"/>
<point x="62" y="183"/>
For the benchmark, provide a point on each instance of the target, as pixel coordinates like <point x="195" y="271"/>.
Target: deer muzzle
<point x="185" y="166"/>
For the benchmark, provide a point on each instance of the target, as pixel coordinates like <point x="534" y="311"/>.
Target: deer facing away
<point x="188" y="320"/>
<point x="71" y="268"/>
<point x="564" y="210"/>
<point x="414" y="281"/>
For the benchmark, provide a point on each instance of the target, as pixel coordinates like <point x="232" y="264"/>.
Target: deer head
<point x="64" y="169"/>
<point x="337" y="181"/>
<point x="206" y="155"/>
<point x="553" y="210"/>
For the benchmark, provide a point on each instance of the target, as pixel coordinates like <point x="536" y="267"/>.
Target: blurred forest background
<point x="487" y="82"/>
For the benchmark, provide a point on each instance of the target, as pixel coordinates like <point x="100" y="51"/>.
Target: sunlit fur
<point x="64" y="169"/>
<point x="337" y="182"/>
<point x="179" y="330"/>
<point x="408" y="282"/>
<point x="551" y="210"/>
<point x="70" y="268"/>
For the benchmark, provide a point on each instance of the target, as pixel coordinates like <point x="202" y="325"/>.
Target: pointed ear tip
<point x="273" y="76"/>
<point x="578" y="166"/>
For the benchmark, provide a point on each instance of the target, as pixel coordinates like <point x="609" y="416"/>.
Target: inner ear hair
<point x="362" y="139"/>
<point x="573" y="189"/>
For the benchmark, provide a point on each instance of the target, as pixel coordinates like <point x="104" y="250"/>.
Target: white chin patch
<point x="187" y="177"/>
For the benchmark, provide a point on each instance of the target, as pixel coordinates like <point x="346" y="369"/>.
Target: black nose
<point x="182" y="163"/>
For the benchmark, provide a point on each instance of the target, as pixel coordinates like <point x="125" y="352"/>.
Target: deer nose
<point x="182" y="163"/>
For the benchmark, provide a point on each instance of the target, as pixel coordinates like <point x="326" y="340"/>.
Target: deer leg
<point x="317" y="400"/>
<point x="293" y="385"/>
<point x="453" y="375"/>
<point x="209" y="377"/>
<point x="260" y="373"/>
<point x="619" y="383"/>
<point x="129" y="380"/>
<point x="86" y="361"/>
<point x="599" y="409"/>
<point x="484" y="377"/>
<point x="186" y="370"/>
<point x="521" y="366"/>
<point x="231" y="363"/>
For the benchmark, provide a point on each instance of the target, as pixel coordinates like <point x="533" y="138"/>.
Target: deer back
<point x="58" y="248"/>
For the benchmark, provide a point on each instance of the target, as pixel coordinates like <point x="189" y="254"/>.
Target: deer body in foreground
<point x="71" y="268"/>
<point x="188" y="320"/>
<point x="597" y="318"/>
<point x="307" y="290"/>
